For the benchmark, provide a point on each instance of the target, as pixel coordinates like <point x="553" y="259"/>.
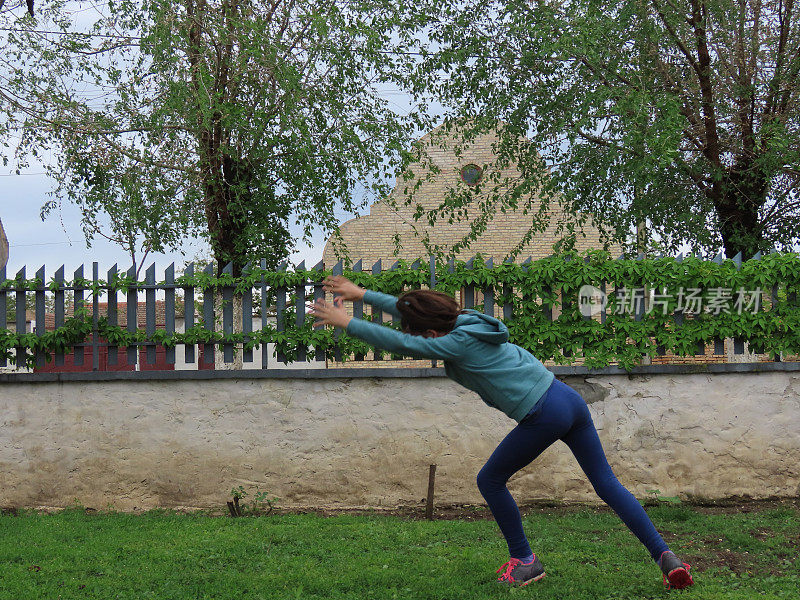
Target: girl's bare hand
<point x="330" y="314"/>
<point x="341" y="286"/>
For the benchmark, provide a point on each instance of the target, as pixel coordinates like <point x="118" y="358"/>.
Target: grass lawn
<point x="587" y="554"/>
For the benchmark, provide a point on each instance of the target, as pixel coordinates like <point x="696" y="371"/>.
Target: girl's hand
<point x="330" y="314"/>
<point x="341" y="286"/>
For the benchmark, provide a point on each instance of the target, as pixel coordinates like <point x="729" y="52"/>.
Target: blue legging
<point x="562" y="415"/>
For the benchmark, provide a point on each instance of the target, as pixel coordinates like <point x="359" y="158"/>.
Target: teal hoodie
<point x="476" y="354"/>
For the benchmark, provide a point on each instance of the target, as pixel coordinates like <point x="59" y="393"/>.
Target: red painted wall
<point x="69" y="365"/>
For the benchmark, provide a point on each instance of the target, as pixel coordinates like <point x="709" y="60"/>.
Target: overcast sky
<point x="59" y="240"/>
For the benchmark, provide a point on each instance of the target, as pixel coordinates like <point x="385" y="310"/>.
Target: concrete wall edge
<point x="378" y="372"/>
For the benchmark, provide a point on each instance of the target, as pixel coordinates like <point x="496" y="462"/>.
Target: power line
<point x="138" y="37"/>
<point x="39" y="244"/>
<point x="20" y="174"/>
<point x="80" y="33"/>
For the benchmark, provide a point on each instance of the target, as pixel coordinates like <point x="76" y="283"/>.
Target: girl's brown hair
<point x="421" y="310"/>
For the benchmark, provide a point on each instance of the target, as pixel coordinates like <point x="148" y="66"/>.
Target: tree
<point x="29" y="4"/>
<point x="222" y="119"/>
<point x="681" y="114"/>
<point x="116" y="206"/>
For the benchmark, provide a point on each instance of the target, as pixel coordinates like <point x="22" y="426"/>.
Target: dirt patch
<point x="793" y="542"/>
<point x="762" y="533"/>
<point x="738" y="563"/>
<point x="471" y="512"/>
<point x="713" y="556"/>
<point x="451" y="512"/>
<point x="464" y="512"/>
<point x="739" y="504"/>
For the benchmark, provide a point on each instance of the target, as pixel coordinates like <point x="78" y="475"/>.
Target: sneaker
<point x="676" y="572"/>
<point x="516" y="573"/>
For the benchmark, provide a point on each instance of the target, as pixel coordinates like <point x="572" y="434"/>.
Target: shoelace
<point x="509" y="566"/>
<point x="686" y="566"/>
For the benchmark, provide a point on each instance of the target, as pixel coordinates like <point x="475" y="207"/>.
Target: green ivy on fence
<point x="530" y="289"/>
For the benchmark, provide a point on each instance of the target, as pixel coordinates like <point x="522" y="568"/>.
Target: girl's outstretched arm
<point x="330" y="314"/>
<point x="450" y="346"/>
<point x="342" y="286"/>
<point x="348" y="290"/>
<point x="446" y="347"/>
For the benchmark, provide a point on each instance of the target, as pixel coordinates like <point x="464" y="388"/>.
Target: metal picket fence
<point x="53" y="303"/>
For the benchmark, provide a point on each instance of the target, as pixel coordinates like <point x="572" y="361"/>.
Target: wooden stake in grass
<point x="431" y="480"/>
<point x="234" y="508"/>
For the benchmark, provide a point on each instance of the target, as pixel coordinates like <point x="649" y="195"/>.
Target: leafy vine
<point x="541" y="298"/>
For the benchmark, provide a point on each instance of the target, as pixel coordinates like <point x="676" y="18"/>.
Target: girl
<point x="477" y="355"/>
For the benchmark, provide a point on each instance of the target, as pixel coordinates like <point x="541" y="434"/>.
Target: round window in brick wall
<point x="471" y="174"/>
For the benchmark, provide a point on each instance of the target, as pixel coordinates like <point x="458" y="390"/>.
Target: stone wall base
<point x="367" y="442"/>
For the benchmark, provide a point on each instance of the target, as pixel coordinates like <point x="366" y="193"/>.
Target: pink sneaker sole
<point x="679" y="578"/>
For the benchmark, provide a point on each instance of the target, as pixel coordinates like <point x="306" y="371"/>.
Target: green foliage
<point x="74" y="331"/>
<point x="228" y="121"/>
<point x="682" y="116"/>
<point x="262" y="503"/>
<point x="532" y="291"/>
<point x="589" y="555"/>
<point x="655" y="498"/>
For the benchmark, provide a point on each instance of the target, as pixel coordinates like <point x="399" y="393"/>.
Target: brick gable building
<point x="445" y="167"/>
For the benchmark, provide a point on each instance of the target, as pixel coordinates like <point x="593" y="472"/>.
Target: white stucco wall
<point x="369" y="441"/>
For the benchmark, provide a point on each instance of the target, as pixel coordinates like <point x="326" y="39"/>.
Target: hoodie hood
<point x="483" y="327"/>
